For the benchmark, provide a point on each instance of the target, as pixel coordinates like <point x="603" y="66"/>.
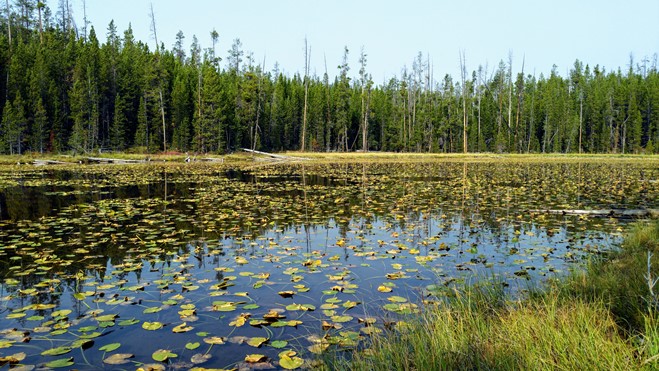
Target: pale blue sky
<point x="545" y="33"/>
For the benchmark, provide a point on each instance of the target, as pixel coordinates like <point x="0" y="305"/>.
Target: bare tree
<point x="510" y="94"/>
<point x="162" y="103"/>
<point x="40" y="7"/>
<point x="258" y="106"/>
<point x="307" y="60"/>
<point x="463" y="75"/>
<point x="520" y="98"/>
<point x="9" y="22"/>
<point x="365" y="98"/>
<point x="214" y="37"/>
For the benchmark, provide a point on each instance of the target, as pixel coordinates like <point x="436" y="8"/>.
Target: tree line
<point x="62" y="90"/>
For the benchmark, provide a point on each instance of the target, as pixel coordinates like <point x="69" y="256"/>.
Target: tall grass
<point x="601" y="319"/>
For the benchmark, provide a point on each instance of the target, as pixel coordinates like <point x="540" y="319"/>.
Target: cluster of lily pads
<point x="250" y="267"/>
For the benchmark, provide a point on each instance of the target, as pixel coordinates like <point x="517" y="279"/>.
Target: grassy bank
<point x="604" y="318"/>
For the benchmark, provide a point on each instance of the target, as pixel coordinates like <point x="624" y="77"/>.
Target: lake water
<point x="217" y="262"/>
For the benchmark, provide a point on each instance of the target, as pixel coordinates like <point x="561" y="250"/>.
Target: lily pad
<point x="255" y="358"/>
<point x="118" y="359"/>
<point x="60" y="363"/>
<point x="290" y="363"/>
<point x="110" y="347"/>
<point x="215" y="340"/>
<point x="192" y="346"/>
<point x="257" y="341"/>
<point x="183" y="327"/>
<point x="200" y="358"/>
<point x="152" y="326"/>
<point x="161" y="355"/>
<point x="56" y="351"/>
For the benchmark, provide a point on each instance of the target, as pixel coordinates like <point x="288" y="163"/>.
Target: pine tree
<point x="39" y="133"/>
<point x="118" y="126"/>
<point x="142" y="132"/>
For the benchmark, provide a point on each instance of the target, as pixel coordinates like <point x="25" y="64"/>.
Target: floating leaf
<point x="56" y="351"/>
<point x="192" y="346"/>
<point x="12" y="359"/>
<point x="290" y="363"/>
<point x="152" y="310"/>
<point x="214" y="340"/>
<point x="286" y="294"/>
<point x="110" y="347"/>
<point x="341" y="319"/>
<point x="152" y="367"/>
<point x="161" y="355"/>
<point x="257" y="341"/>
<point x="350" y="304"/>
<point x="106" y="318"/>
<point x="255" y="358"/>
<point x="152" y="326"/>
<point x="91" y="335"/>
<point x="318" y="348"/>
<point x="397" y="299"/>
<point x="183" y="327"/>
<point x="224" y="306"/>
<point x="118" y="359"/>
<point x="200" y="358"/>
<point x="402" y="308"/>
<point x="61" y="313"/>
<point x="304" y="307"/>
<point x="59" y="363"/>
<point x="279" y="344"/>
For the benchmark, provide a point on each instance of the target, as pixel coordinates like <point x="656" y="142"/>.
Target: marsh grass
<point x="600" y="319"/>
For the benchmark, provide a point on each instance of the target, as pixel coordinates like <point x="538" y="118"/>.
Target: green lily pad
<point x="192" y="346"/>
<point x="56" y="351"/>
<point x="279" y="344"/>
<point x="152" y="326"/>
<point x="257" y="341"/>
<point x="110" y="347"/>
<point x="60" y="363"/>
<point x="290" y="363"/>
<point x="397" y="299"/>
<point x="161" y="355"/>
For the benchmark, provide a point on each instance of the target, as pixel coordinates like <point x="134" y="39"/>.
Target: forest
<point x="63" y="90"/>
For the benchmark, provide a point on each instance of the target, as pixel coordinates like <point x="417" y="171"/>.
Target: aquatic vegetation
<point x="222" y="266"/>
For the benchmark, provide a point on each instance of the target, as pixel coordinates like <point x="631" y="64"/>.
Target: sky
<point x="538" y="34"/>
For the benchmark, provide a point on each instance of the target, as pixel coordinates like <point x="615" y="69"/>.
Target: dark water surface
<point x="283" y="257"/>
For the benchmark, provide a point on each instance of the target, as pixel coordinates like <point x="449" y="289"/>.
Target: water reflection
<point x="240" y="237"/>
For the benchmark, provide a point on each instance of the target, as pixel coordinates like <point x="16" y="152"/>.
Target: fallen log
<point x="279" y="157"/>
<point x="48" y="162"/>
<point x="612" y="213"/>
<point x="211" y="159"/>
<point x="105" y="160"/>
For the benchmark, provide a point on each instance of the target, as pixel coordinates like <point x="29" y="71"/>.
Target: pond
<point x="264" y="265"/>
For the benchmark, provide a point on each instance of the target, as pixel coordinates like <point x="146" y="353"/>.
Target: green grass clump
<point x="620" y="280"/>
<point x="602" y="319"/>
<point x="463" y="334"/>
